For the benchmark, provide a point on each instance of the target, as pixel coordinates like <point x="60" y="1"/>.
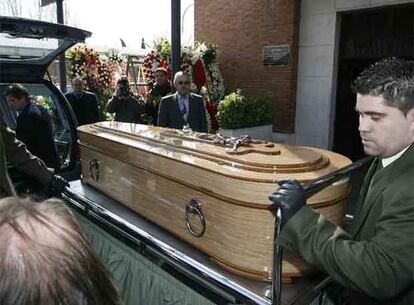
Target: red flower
<point x="199" y="74"/>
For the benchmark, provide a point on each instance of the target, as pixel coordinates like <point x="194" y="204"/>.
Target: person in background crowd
<point x="45" y="257"/>
<point x="161" y="88"/>
<point x="33" y="125"/>
<point x="182" y="107"/>
<point x="84" y="104"/>
<point x="15" y="152"/>
<point x="126" y="107"/>
<point x="373" y="263"/>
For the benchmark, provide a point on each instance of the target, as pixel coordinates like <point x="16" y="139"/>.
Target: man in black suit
<point x="161" y="88"/>
<point x="182" y="107"/>
<point x="34" y="126"/>
<point x="84" y="104"/>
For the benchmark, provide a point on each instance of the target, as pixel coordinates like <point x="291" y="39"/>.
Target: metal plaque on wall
<point x="276" y="55"/>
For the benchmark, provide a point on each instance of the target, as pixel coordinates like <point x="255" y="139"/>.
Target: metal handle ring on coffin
<point x="195" y="207"/>
<point x="94" y="169"/>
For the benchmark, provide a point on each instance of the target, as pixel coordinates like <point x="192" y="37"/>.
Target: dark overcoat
<point x="34" y="129"/>
<point x="84" y="107"/>
<point x="15" y="152"/>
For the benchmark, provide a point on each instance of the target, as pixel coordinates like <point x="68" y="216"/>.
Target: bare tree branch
<point x="13" y="7"/>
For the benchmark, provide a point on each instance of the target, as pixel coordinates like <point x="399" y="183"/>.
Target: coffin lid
<point x="259" y="161"/>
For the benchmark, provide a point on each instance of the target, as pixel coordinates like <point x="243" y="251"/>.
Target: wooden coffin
<point x="213" y="196"/>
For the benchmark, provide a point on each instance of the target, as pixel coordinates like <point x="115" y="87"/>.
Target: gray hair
<point x="180" y="73"/>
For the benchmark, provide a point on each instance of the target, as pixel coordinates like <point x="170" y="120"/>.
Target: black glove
<point x="290" y="197"/>
<point x="56" y="186"/>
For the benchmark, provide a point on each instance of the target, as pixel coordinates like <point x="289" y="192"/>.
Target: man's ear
<point x="410" y="118"/>
<point x="410" y="114"/>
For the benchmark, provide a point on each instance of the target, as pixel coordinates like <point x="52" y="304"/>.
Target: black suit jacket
<point x="34" y="129"/>
<point x="169" y="114"/>
<point x="85" y="107"/>
<point x="152" y="106"/>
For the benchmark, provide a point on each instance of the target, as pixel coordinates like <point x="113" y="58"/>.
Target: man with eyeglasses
<point x="182" y="108"/>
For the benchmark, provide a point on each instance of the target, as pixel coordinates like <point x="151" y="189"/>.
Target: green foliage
<point x="44" y="102"/>
<point x="47" y="103"/>
<point x="163" y="47"/>
<point x="238" y="111"/>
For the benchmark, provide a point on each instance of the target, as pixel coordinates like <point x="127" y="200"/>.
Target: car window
<point x="25" y="48"/>
<point x="43" y="96"/>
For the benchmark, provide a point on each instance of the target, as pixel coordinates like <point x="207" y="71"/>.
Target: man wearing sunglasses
<point x="182" y="108"/>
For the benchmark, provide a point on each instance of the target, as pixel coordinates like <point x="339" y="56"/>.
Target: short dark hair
<point x="78" y="78"/>
<point x="393" y="78"/>
<point x="123" y="81"/>
<point x="17" y="91"/>
<point x="45" y="258"/>
<point x="161" y="69"/>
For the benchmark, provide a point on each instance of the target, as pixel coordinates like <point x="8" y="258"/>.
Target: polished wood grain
<point x="157" y="177"/>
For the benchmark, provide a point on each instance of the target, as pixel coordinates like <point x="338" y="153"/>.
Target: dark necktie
<point x="378" y="168"/>
<point x="361" y="206"/>
<point x="379" y="165"/>
<point x="183" y="109"/>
